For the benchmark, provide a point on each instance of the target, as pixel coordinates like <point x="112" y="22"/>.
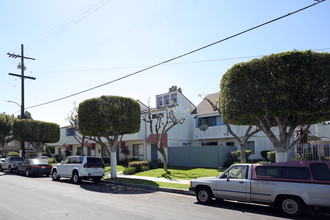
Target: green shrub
<point x="271" y="156"/>
<point x="50" y="160"/>
<point x="228" y="164"/>
<point x="264" y="154"/>
<point x="156" y="164"/>
<point x="247" y="153"/>
<point x="129" y="171"/>
<point x="13" y="154"/>
<point x="138" y="165"/>
<point x="233" y="155"/>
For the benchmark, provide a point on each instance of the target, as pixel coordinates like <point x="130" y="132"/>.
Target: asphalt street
<point x="41" y="198"/>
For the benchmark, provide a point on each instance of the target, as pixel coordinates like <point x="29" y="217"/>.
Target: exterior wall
<point x="206" y="156"/>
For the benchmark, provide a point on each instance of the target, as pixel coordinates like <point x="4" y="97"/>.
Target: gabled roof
<point x="204" y="108"/>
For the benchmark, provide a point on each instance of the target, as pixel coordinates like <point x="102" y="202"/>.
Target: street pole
<point x="22" y="67"/>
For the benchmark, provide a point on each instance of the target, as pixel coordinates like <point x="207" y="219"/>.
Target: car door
<point x="62" y="168"/>
<point x="21" y="168"/>
<point x="234" y="184"/>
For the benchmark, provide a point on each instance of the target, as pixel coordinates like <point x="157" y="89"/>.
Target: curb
<point x="153" y="188"/>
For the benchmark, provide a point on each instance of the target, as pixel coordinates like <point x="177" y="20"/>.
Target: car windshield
<point x="16" y="159"/>
<point x="38" y="161"/>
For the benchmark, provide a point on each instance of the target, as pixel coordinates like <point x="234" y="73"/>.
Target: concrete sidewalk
<point x="154" y="179"/>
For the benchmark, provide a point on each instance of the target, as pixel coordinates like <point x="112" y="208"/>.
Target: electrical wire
<point x="66" y="25"/>
<point x="180" y="56"/>
<point x="178" y="63"/>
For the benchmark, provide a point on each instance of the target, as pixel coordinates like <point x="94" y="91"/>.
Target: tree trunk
<point x="51" y="154"/>
<point x="164" y="159"/>
<point x="113" y="158"/>
<point x="281" y="154"/>
<point x="243" y="153"/>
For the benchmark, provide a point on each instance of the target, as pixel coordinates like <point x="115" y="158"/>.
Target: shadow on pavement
<point x="113" y="188"/>
<point x="265" y="210"/>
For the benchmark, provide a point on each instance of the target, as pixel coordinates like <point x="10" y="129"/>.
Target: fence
<point x="316" y="151"/>
<point x="202" y="156"/>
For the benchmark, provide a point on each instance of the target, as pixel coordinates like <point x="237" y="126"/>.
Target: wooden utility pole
<point x="22" y="67"/>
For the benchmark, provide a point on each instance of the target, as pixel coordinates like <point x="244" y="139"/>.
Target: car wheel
<point x="97" y="179"/>
<point x="75" y="177"/>
<point x="291" y="206"/>
<point x="27" y="173"/>
<point x="17" y="172"/>
<point x="10" y="169"/>
<point x="204" y="195"/>
<point x="1" y="169"/>
<point x="55" y="177"/>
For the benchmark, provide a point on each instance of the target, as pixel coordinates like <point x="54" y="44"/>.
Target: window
<point x="70" y="132"/>
<point x="299" y="173"/>
<point x="230" y="143"/>
<point x="210" y="121"/>
<point x="154" y="116"/>
<point x="174" y="98"/>
<point x="320" y="171"/>
<point x="237" y="172"/>
<point x="138" y="151"/>
<point x="167" y="100"/>
<point x="268" y="172"/>
<point x="250" y="146"/>
<point x="294" y="173"/>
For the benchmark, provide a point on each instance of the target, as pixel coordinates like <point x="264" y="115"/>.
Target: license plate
<point x="43" y="167"/>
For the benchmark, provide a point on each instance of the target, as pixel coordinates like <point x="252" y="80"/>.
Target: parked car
<point x="11" y="163"/>
<point x="78" y="168"/>
<point x="291" y="186"/>
<point x="34" y="166"/>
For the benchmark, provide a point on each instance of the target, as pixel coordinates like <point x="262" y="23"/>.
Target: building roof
<point x="204" y="108"/>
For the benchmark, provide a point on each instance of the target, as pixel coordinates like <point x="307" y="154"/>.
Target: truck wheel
<point x="291" y="206"/>
<point x="75" y="177"/>
<point x="204" y="195"/>
<point x="55" y="177"/>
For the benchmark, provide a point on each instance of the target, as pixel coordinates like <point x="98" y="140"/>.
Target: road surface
<point x="41" y="198"/>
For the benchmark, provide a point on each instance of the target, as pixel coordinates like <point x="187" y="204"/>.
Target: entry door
<point x="234" y="184"/>
<point x="154" y="154"/>
<point x="89" y="151"/>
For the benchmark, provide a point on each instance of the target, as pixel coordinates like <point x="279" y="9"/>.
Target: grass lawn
<point x="152" y="183"/>
<point x="119" y="169"/>
<point x="183" y="173"/>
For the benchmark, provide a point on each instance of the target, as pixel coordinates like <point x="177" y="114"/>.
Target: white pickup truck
<point x="290" y="186"/>
<point x="11" y="163"/>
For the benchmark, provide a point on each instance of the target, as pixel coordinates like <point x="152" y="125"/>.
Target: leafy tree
<point x="241" y="140"/>
<point x="175" y="88"/>
<point x="72" y="118"/>
<point x="159" y="128"/>
<point x="6" y="124"/>
<point x="38" y="133"/>
<point x="109" y="117"/>
<point x="284" y="90"/>
<point x="27" y="115"/>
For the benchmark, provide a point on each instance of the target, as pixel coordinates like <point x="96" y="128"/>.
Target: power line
<point x="67" y="24"/>
<point x="178" y="63"/>
<point x="180" y="56"/>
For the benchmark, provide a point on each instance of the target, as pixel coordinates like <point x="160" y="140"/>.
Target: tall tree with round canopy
<point x="109" y="117"/>
<point x="285" y="90"/>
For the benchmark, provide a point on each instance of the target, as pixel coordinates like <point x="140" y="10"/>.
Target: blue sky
<point x="81" y="44"/>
